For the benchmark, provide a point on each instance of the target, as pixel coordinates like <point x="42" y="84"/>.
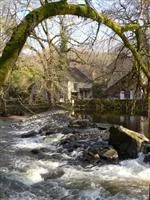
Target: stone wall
<point x="117" y="106"/>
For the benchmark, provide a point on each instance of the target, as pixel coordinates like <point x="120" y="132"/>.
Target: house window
<point x="75" y="86"/>
<point x="74" y="95"/>
<point x="127" y="94"/>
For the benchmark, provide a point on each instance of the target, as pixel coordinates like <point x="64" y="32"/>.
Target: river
<point x="134" y="122"/>
<point x="28" y="176"/>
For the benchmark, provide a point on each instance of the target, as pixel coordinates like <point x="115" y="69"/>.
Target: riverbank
<point x="19" y="113"/>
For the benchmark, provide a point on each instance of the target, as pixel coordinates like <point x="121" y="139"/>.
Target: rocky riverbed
<point x="50" y="156"/>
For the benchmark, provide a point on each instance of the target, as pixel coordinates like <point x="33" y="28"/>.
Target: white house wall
<point x="70" y="89"/>
<point x="80" y="85"/>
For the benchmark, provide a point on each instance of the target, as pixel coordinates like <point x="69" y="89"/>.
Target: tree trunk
<point x="148" y="100"/>
<point x="3" y="108"/>
<point x="49" y="98"/>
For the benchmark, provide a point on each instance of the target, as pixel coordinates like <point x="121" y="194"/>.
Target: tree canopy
<point x="47" y="10"/>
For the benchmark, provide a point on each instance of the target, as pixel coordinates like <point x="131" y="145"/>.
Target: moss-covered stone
<point x="115" y="106"/>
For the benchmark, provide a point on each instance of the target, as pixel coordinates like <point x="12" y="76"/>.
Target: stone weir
<point x="105" y="143"/>
<point x="91" y="143"/>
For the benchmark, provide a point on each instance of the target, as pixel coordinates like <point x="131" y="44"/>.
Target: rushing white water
<point x="53" y="175"/>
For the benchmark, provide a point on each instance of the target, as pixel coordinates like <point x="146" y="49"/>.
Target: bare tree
<point x="35" y="17"/>
<point x="137" y="12"/>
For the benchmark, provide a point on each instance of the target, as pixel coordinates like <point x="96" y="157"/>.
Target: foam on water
<point x="54" y="138"/>
<point x="145" y="175"/>
<point x="128" y="181"/>
<point x="22" y="178"/>
<point x="127" y="170"/>
<point x="33" y="172"/>
<point x="97" y="183"/>
<point x="29" y="143"/>
<point x="35" y="175"/>
<point x="127" y="173"/>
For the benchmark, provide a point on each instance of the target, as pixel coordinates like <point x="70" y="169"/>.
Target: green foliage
<point x="98" y="90"/>
<point x="21" y="80"/>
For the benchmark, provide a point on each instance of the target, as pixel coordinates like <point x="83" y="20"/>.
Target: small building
<point x="123" y="82"/>
<point x="79" y="85"/>
<point x="124" y="88"/>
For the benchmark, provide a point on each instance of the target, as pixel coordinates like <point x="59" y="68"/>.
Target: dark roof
<point x="126" y="82"/>
<point x="119" y="69"/>
<point x="79" y="76"/>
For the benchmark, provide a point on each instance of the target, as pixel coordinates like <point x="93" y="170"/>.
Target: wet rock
<point x="90" y="144"/>
<point x="105" y="134"/>
<point x="83" y="139"/>
<point x="68" y="130"/>
<point x="73" y="145"/>
<point x="109" y="154"/>
<point x="126" y="142"/>
<point x="83" y="134"/>
<point x="146" y="147"/>
<point x="103" y="126"/>
<point x="53" y="174"/>
<point x="48" y="130"/>
<point x="147" y="158"/>
<point x="29" y="134"/>
<point x="76" y="123"/>
<point x="35" y="151"/>
<point x="99" y="153"/>
<point x="91" y="157"/>
<point x="41" y="153"/>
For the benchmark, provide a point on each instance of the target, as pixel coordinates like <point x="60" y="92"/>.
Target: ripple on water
<point x="26" y="195"/>
<point x="106" y="182"/>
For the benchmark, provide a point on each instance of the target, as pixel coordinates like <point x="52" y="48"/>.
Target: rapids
<point x="27" y="175"/>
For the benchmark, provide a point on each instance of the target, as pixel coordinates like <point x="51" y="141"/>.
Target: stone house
<point x="122" y="83"/>
<point x="79" y="85"/>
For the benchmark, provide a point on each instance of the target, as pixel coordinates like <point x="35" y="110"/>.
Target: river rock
<point x="99" y="153"/>
<point x="103" y="126"/>
<point x="126" y="142"/>
<point x="82" y="134"/>
<point x="41" y="153"/>
<point x="35" y="151"/>
<point x="146" y="147"/>
<point x="80" y="123"/>
<point x="67" y="130"/>
<point x="53" y="174"/>
<point x="109" y="154"/>
<point x="29" y="134"/>
<point x="105" y="134"/>
<point x="147" y="158"/>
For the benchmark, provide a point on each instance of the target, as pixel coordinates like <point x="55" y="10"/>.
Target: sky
<point x="80" y="33"/>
